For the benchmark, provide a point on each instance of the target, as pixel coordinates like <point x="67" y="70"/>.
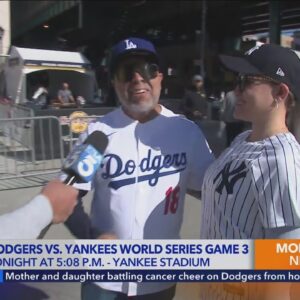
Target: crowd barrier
<point x="31" y="151"/>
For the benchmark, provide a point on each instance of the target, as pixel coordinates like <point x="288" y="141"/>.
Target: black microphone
<point x="83" y="162"/>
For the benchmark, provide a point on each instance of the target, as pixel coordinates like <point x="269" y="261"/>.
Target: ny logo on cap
<point x="250" y="51"/>
<point x="130" y="45"/>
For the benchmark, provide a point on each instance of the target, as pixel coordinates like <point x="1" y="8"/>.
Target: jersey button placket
<point x="138" y="215"/>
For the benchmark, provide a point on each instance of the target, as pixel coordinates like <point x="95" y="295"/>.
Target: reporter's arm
<point x="27" y="221"/>
<point x="55" y="203"/>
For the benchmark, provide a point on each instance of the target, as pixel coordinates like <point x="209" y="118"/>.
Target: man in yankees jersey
<point x="153" y="156"/>
<point x="252" y="191"/>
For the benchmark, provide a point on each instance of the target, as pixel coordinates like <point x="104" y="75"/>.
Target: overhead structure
<point x="58" y="66"/>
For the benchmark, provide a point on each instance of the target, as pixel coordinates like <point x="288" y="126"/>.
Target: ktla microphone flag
<point x="149" y="260"/>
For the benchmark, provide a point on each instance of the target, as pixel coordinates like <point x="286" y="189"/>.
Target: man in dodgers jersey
<point x="252" y="191"/>
<point x="153" y="156"/>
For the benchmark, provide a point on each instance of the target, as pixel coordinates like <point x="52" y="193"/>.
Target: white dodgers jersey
<point x="140" y="188"/>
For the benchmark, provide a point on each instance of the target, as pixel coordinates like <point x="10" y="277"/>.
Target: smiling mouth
<point x="139" y="91"/>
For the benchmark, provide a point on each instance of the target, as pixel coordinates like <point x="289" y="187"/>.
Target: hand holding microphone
<point x="54" y="204"/>
<point x="62" y="199"/>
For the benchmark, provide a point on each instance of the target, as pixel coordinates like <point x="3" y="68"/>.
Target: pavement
<point x="11" y="199"/>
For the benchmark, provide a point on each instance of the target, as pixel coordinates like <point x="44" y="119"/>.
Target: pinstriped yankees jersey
<point x="251" y="187"/>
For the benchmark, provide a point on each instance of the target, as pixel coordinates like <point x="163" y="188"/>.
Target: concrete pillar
<point x="274" y="25"/>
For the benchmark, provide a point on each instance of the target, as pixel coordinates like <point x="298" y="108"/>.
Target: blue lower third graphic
<point x="151" y="275"/>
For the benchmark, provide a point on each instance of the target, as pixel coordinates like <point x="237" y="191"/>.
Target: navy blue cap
<point x="132" y="46"/>
<point x="279" y="63"/>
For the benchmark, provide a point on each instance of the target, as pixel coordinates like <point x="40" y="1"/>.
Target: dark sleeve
<point x="188" y="99"/>
<point x="79" y="223"/>
<point x="187" y="103"/>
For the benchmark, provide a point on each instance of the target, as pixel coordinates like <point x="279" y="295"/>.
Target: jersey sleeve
<point x="202" y="157"/>
<point x="276" y="176"/>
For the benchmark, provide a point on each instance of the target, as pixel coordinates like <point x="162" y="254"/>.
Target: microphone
<point x="85" y="159"/>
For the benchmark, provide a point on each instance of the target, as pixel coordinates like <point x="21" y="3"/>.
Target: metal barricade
<point x="31" y="151"/>
<point x="10" y="110"/>
<point x="5" y="108"/>
<point x="20" y="111"/>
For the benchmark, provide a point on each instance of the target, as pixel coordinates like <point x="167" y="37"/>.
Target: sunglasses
<point x="244" y="81"/>
<point x="126" y="71"/>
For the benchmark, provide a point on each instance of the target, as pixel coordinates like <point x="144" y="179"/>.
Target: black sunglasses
<point x="147" y="70"/>
<point x="243" y="81"/>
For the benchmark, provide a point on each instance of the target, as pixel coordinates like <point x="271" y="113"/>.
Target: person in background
<point x="194" y="104"/>
<point x="252" y="190"/>
<point x="233" y="126"/>
<point x="54" y="204"/>
<point x="65" y="95"/>
<point x="40" y="97"/>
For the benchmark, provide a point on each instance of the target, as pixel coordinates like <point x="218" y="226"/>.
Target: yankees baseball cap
<point x="279" y="63"/>
<point x="130" y="47"/>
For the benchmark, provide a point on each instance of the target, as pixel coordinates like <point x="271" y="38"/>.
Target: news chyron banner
<point x="149" y="260"/>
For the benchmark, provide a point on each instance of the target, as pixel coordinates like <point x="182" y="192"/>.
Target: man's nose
<point x="136" y="76"/>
